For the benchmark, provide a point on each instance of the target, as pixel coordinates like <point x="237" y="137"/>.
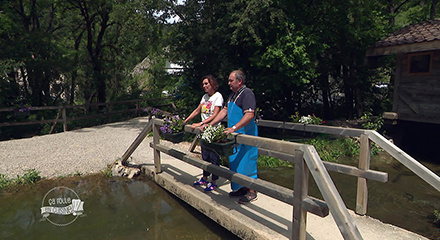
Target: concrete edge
<point x="236" y="222"/>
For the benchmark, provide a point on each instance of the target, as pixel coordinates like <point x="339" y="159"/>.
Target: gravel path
<point x="87" y="150"/>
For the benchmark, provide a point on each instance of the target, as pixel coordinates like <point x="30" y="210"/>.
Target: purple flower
<point x="155" y="111"/>
<point x="24" y="109"/>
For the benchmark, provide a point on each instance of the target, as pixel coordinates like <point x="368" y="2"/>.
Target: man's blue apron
<point x="245" y="160"/>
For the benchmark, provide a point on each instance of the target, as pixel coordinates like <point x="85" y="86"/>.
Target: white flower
<point x="306" y="119"/>
<point x="212" y="134"/>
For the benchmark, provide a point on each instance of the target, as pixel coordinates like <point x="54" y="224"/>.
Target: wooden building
<point x="417" y="77"/>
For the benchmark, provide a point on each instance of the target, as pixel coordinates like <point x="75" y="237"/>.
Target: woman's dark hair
<point x="212" y="81"/>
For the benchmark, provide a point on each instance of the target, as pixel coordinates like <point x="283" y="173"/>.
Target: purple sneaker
<point x="211" y="186"/>
<point x="201" y="181"/>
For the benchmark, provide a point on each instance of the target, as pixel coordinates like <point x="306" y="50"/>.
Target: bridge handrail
<point x="300" y="154"/>
<point x="419" y="169"/>
<point x="412" y="164"/>
<point x="309" y="162"/>
<point x="311" y="204"/>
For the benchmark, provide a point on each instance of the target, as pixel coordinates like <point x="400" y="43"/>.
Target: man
<point x="240" y="110"/>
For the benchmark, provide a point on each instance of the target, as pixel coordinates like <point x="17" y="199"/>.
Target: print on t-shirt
<point x="206" y="108"/>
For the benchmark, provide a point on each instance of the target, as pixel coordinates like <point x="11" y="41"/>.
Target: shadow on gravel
<point x="136" y="123"/>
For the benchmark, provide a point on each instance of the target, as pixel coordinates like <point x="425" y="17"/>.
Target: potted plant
<point x="309" y="119"/>
<point x="154" y="112"/>
<point x="172" y="130"/>
<point x="215" y="139"/>
<point x="22" y="110"/>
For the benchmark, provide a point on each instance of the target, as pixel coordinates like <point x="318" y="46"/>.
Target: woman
<point x="209" y="107"/>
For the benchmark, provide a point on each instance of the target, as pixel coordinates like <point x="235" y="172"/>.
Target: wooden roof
<point x="412" y="38"/>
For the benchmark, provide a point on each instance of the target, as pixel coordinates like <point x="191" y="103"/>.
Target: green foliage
<point x="29" y="177"/>
<point x="290" y="54"/>
<point x="266" y="161"/>
<point x="328" y="149"/>
<point x="5" y="182"/>
<point x="334" y="150"/>
<point x="107" y="172"/>
<point x="298" y="58"/>
<point x="307" y="49"/>
<point x="436" y="217"/>
<point x="85" y="50"/>
<point x="369" y="123"/>
<point x="309" y="119"/>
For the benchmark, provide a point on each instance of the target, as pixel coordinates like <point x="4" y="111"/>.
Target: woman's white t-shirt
<point x="209" y="103"/>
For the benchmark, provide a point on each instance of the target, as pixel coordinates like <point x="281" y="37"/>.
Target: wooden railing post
<point x="194" y="143"/>
<point x="136" y="142"/>
<point x="55" y="122"/>
<point x="63" y="110"/>
<point x="364" y="164"/>
<point x="300" y="193"/>
<point x="138" y="108"/>
<point x="156" y="141"/>
<point x="110" y="115"/>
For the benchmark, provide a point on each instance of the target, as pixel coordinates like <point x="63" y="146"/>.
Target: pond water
<point x="114" y="208"/>
<point x="404" y="201"/>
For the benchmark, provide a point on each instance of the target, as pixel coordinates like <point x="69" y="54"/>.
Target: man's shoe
<point x="201" y="181"/>
<point x="248" y="197"/>
<point x="211" y="186"/>
<point x="239" y="193"/>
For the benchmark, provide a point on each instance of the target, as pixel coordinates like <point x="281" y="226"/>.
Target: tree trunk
<point x="433" y="9"/>
<point x="348" y="91"/>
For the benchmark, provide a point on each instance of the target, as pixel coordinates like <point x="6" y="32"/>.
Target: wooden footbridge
<point x="282" y="213"/>
<point x="279" y="213"/>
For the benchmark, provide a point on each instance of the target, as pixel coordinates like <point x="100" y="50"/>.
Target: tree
<point x="30" y="44"/>
<point x="297" y="55"/>
<point x="107" y="39"/>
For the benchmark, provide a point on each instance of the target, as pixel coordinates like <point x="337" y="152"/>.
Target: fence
<point x="63" y="116"/>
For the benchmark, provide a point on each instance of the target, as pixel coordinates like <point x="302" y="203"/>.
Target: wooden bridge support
<point x="156" y="141"/>
<point x="364" y="164"/>
<point x="301" y="191"/>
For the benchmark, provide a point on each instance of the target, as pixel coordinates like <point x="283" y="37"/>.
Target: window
<point x="419" y="63"/>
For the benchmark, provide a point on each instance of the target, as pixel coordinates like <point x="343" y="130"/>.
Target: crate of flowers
<point x="215" y="139"/>
<point x="172" y="130"/>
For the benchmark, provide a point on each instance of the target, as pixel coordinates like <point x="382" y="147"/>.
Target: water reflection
<point x="114" y="208"/>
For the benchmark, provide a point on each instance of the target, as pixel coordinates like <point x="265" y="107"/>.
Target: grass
<point x="330" y="150"/>
<point x="29" y="177"/>
<point x="108" y="171"/>
<point x="437" y="217"/>
<point x="271" y="162"/>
